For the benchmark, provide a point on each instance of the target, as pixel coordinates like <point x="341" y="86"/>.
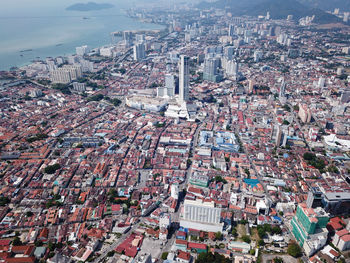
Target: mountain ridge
<point x="279" y="9"/>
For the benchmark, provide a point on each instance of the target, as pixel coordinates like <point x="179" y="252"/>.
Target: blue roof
<point x="277" y="218"/>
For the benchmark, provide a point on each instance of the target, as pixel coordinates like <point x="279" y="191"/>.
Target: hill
<point x="328" y="5"/>
<point x="279" y="9"/>
<point x="91" y="6"/>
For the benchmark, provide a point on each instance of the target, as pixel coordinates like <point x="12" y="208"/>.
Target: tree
<point x="309" y="156"/>
<point x="29" y="214"/>
<point x="234" y="232"/>
<point x="278" y="260"/>
<point x="246" y="239"/>
<point x="165" y="255"/>
<point x="110" y="253"/>
<point x="4" y="200"/>
<point x="51" y="169"/>
<point x="206" y="257"/>
<point x="16" y="241"/>
<point x="189" y="162"/>
<point x="294" y="250"/>
<point x="276" y="230"/>
<point x="261" y="242"/>
<point x="218" y="235"/>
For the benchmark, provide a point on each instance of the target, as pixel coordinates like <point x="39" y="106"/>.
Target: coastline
<point x="68" y="51"/>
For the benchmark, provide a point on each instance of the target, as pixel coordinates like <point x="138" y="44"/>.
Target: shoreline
<point x="39" y="58"/>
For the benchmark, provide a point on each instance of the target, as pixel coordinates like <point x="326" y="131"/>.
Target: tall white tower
<point x="184" y="78"/>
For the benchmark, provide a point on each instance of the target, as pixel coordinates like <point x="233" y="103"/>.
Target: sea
<point x="36" y="29"/>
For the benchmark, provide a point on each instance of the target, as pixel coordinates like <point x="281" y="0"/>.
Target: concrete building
<point x="202" y="215"/>
<point x="146" y="103"/>
<point x="304" y="113"/>
<point x="174" y="189"/>
<point x="82" y="51"/>
<point x="139" y="52"/>
<point x="66" y="74"/>
<point x="210" y="71"/>
<point x="184" y="79"/>
<point x="309" y="228"/>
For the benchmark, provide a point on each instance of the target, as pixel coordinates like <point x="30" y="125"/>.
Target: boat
<point x="58" y="45"/>
<point x="85" y="17"/>
<point x="26" y="50"/>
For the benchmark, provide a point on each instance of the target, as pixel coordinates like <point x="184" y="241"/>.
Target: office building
<point x="202" y="215"/>
<point x="184" y="78"/>
<point x="139" y="52"/>
<point x="210" y="71"/>
<point x="170" y="84"/>
<point x="309" y="228"/>
<point x="336" y="203"/>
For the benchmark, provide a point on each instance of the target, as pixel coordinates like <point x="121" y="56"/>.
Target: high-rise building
<point x="278" y="135"/>
<point x="232" y="68"/>
<point x="345" y="96"/>
<point x="282" y="92"/>
<point x="314" y="198"/>
<point x="184" y="81"/>
<point x="201" y="214"/>
<point x="268" y="16"/>
<point x="251" y="86"/>
<point x="304" y="113"/>
<point x="170" y="84"/>
<point x="257" y="55"/>
<point x="309" y="228"/>
<point x="231" y="30"/>
<point x="210" y="71"/>
<point x="66" y="74"/>
<point x="228" y="52"/>
<point x="139" y="52"/>
<point x="140" y="38"/>
<point x="60" y="76"/>
<point x="321" y="82"/>
<point x="127" y="38"/>
<point x="81" y="51"/>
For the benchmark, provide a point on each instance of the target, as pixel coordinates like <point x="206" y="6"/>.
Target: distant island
<point x="91" y="6"/>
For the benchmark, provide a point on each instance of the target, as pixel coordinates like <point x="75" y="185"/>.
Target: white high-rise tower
<point x="184" y="78"/>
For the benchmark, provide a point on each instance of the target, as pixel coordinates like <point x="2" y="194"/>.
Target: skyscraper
<point x="210" y="71"/>
<point x="184" y="78"/>
<point x="127" y="38"/>
<point x="231" y="30"/>
<point x="170" y="84"/>
<point x="282" y="92"/>
<point x="139" y="52"/>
